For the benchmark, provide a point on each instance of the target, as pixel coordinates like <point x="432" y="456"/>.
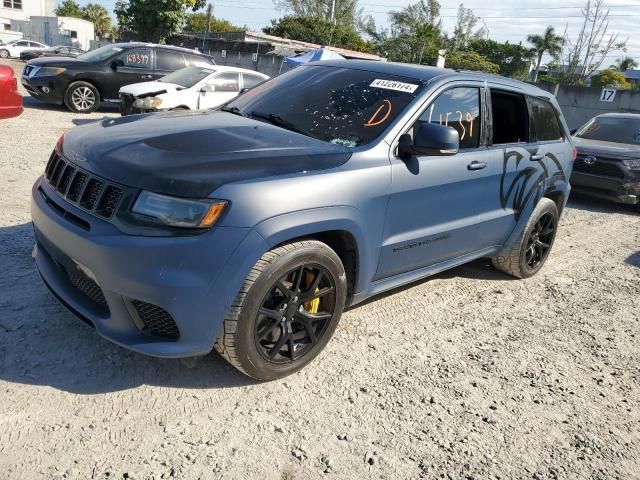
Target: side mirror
<point x="117" y="63"/>
<point x="208" y="88"/>
<point x="244" y="90"/>
<point x="429" y="139"/>
<point x="573" y="131"/>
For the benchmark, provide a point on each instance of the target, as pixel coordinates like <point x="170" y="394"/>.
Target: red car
<point x="10" y="98"/>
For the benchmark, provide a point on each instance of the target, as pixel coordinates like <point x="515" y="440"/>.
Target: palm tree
<point x="99" y="16"/>
<point x="624" y="63"/>
<point x="548" y="42"/>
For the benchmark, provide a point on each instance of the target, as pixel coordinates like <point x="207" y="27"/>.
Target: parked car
<point x="191" y="88"/>
<point x="608" y="163"/>
<point x="10" y="98"/>
<point x="250" y="228"/>
<point x="16" y="47"/>
<point x="82" y="83"/>
<point x="57" y="51"/>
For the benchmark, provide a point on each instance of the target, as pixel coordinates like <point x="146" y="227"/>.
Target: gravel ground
<point x="466" y="375"/>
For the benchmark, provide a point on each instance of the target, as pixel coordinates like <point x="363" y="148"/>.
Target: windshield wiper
<point x="278" y="121"/>
<point x="234" y="110"/>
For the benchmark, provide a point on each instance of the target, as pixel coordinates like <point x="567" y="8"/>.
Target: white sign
<point x="393" y="85"/>
<point x="608" y="94"/>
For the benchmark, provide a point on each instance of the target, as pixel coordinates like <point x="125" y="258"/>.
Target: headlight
<point x="147" y="103"/>
<point x="47" y="71"/>
<point x="632" y="164"/>
<point x="179" y="212"/>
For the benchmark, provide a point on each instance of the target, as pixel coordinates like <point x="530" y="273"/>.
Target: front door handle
<point x="475" y="165"/>
<point x="537" y="158"/>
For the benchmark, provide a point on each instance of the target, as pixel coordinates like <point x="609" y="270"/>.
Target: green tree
<point x="470" y="60"/>
<point x="69" y="8"/>
<point x="197" y="23"/>
<point x="513" y="59"/>
<point x="548" y="42"/>
<point x="465" y="29"/>
<point x="624" y="63"/>
<point x="338" y="12"/>
<point x="154" y="20"/>
<point x="99" y="16"/>
<point x="611" y="79"/>
<point x="314" y="30"/>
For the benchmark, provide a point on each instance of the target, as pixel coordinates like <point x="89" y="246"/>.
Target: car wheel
<point x="82" y="97"/>
<point x="4" y="53"/>
<point x="530" y="253"/>
<point x="286" y="311"/>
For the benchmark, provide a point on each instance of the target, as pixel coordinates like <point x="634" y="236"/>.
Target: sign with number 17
<point x="608" y="94"/>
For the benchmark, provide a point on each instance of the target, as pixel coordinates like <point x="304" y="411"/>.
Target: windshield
<point x="100" y="54"/>
<point x="343" y="106"/>
<point x="612" y="129"/>
<point x="187" y="77"/>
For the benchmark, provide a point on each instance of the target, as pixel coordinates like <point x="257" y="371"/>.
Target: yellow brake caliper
<point x="312" y="306"/>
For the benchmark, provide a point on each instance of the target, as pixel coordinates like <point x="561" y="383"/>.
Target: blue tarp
<point x="313" y="56"/>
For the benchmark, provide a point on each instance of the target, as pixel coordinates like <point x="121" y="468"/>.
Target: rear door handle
<point x="537" y="158"/>
<point x="475" y="165"/>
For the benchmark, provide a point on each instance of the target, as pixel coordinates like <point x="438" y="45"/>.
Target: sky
<point x="504" y="19"/>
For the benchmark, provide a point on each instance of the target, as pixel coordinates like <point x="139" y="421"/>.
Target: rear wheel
<point x="286" y="311"/>
<point x="82" y="97"/>
<point x="530" y="253"/>
<point x="4" y="53"/>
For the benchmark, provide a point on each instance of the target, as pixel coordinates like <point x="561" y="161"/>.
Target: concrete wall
<point x="580" y="104"/>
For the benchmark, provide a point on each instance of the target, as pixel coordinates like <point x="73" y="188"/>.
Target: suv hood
<point x="55" y="62"/>
<point x="606" y="149"/>
<point x="191" y="154"/>
<point x="146" y="88"/>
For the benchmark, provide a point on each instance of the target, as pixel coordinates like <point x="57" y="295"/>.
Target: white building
<point x="21" y="10"/>
<point x="53" y="30"/>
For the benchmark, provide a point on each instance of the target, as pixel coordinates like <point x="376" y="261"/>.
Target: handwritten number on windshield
<point x="380" y="115"/>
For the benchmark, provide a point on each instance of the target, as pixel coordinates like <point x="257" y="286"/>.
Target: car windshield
<point x="100" y="54"/>
<point x="612" y="129"/>
<point x="343" y="106"/>
<point x="187" y="77"/>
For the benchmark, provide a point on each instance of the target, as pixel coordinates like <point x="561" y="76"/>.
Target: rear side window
<point x="251" y="81"/>
<point x="137" y="58"/>
<point x="510" y="118"/>
<point x="197" y="60"/>
<point x="545" y="120"/>
<point x="459" y="108"/>
<point x="169" y="60"/>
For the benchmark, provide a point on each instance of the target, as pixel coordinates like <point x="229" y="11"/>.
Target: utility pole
<point x="209" y="15"/>
<point x="333" y="12"/>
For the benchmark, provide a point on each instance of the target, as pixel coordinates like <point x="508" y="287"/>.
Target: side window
<point x="226" y="82"/>
<point x="250" y="81"/>
<point x="136" y="58"/>
<point x="459" y="108"/>
<point x="545" y="120"/>
<point x="64" y="50"/>
<point x="197" y="61"/>
<point x="169" y="60"/>
<point x="22" y="44"/>
<point x="510" y="118"/>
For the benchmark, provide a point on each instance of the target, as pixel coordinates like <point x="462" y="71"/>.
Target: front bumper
<point x="37" y="86"/>
<point x="621" y="190"/>
<point x="194" y="279"/>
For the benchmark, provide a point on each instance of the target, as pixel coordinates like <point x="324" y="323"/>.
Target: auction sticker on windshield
<point x="394" y="85"/>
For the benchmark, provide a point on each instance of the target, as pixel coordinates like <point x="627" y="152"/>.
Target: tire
<point x="264" y="346"/>
<point x="82" y="97"/>
<point x="4" y="53"/>
<point x="533" y="247"/>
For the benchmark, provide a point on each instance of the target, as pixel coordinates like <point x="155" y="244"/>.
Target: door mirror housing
<point x="244" y="90"/>
<point x="573" y="131"/>
<point x="429" y="139"/>
<point x="208" y="88"/>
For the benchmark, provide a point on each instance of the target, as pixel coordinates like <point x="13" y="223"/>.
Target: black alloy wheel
<point x="540" y="240"/>
<point x="295" y="314"/>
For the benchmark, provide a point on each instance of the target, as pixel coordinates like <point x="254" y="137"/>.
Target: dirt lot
<point x="467" y="375"/>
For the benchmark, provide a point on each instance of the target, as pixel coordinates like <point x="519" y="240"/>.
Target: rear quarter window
<point x="545" y="120"/>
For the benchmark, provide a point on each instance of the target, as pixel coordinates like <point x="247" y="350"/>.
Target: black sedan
<point x="57" y="51"/>
<point x="608" y="162"/>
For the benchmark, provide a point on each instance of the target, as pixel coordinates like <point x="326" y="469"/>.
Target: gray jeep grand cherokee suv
<point x="249" y="229"/>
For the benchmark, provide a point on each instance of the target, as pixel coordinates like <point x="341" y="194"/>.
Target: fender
<point x="282" y="228"/>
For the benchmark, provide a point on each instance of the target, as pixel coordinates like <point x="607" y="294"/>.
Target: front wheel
<point x="82" y="97"/>
<point x="4" y="53"/>
<point x="530" y="253"/>
<point x="286" y="311"/>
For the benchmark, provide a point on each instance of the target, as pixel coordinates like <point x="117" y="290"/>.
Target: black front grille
<point x="600" y="167"/>
<point x="86" y="285"/>
<point x="156" y="321"/>
<point x="89" y="192"/>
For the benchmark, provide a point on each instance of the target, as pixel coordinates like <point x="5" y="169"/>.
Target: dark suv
<point x="250" y="229"/>
<point x="81" y="83"/>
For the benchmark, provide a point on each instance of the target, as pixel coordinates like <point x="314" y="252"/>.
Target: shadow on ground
<point x="32" y="103"/>
<point x="634" y="259"/>
<point x="597" y="205"/>
<point x="41" y="343"/>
